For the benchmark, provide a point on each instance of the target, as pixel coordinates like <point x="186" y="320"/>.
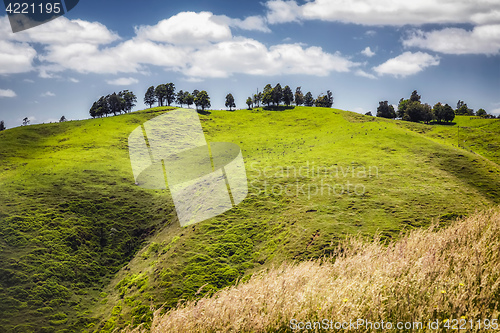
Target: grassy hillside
<point x="72" y="218"/>
<point x="427" y="279"/>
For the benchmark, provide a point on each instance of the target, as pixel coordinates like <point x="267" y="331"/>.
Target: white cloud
<point x="47" y="94"/>
<point x="7" y="93"/>
<point x="123" y="81"/>
<point x="481" y="40"/>
<point x="386" y="12"/>
<point x="72" y="79"/>
<point x="16" y="57"/>
<point x="362" y="73"/>
<point x="198" y="45"/>
<point x="249" y="56"/>
<point x="186" y="28"/>
<point x="406" y="64"/>
<point x="257" y="23"/>
<point x="368" y="52"/>
<point x="371" y="33"/>
<point x="280" y="11"/>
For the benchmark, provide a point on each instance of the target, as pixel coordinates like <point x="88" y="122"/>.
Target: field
<point x="83" y="247"/>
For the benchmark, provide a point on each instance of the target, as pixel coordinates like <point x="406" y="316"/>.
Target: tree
<point x="150" y="97"/>
<point x="26" y="121"/>
<point x="438" y="111"/>
<point x="249" y="102"/>
<point x="160" y="93"/>
<point x="427" y="114"/>
<point x="115" y="103"/>
<point x="267" y="95"/>
<point x="179" y="98"/>
<point x="230" y="101"/>
<point x="2" y="126"/>
<point x="402" y="106"/>
<point x="128" y="100"/>
<point x="464" y="110"/>
<point x="277" y="94"/>
<point x="287" y="96"/>
<point x="170" y="93"/>
<point x="195" y="93"/>
<point x="308" y="99"/>
<point x="321" y="101"/>
<point x="385" y="110"/>
<point x="415" y="97"/>
<point x="63" y="119"/>
<point x="299" y="97"/>
<point x="369" y="113"/>
<point x="481" y="113"/>
<point x="329" y="99"/>
<point x="202" y="100"/>
<point x="257" y="98"/>
<point x="188" y="98"/>
<point x="448" y="113"/>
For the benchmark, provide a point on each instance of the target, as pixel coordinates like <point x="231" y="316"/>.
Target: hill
<point x="83" y="247"/>
<point x="427" y="279"/>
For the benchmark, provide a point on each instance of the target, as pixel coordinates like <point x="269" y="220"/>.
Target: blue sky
<point x="364" y="51"/>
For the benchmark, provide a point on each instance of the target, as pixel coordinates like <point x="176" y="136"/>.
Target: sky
<point x="364" y="51"/>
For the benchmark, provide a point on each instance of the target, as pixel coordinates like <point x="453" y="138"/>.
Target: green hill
<point x="81" y="246"/>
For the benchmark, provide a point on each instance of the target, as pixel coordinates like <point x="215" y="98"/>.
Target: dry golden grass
<point x="451" y="273"/>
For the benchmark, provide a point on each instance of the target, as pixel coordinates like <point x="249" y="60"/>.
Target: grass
<point x="77" y="237"/>
<point x="450" y="275"/>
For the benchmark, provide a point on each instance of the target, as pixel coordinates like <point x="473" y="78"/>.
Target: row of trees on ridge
<point x="114" y="103"/>
<point x="278" y="94"/>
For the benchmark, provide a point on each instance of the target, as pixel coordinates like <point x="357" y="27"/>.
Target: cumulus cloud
<point x="362" y="73"/>
<point x="123" y="81"/>
<point x="198" y="45"/>
<point x="257" y="23"/>
<point x="368" y="52"/>
<point x="186" y="28"/>
<point x="406" y="64"/>
<point x="279" y="11"/>
<point x="386" y="12"/>
<point x="481" y="40"/>
<point x="16" y="57"/>
<point x="9" y="93"/>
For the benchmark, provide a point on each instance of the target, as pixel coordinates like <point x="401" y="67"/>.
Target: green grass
<point x="72" y="216"/>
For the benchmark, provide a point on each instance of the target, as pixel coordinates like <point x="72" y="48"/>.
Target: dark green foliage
<point x="169" y="93"/>
<point x="385" y="110"/>
<point x="299" y="97"/>
<point x="443" y="112"/>
<point x="128" y="100"/>
<point x="369" y="113"/>
<point x="188" y="98"/>
<point x="267" y="95"/>
<point x="62" y="119"/>
<point x="202" y="100"/>
<point x="114" y="103"/>
<point x="249" y="102"/>
<point x="179" y="98"/>
<point x="463" y="109"/>
<point x="230" y="101"/>
<point x="2" y="126"/>
<point x="415" y="97"/>
<point x="325" y="101"/>
<point x="160" y="93"/>
<point x="257" y="98"/>
<point x="287" y="96"/>
<point x="308" y="100"/>
<point x="277" y="94"/>
<point x="481" y="113"/>
<point x="150" y="97"/>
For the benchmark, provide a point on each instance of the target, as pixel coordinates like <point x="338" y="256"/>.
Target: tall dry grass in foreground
<point x="450" y="273"/>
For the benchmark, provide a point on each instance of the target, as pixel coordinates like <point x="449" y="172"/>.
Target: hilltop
<point x="83" y="247"/>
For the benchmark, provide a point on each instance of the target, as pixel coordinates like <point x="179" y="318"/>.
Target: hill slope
<point x="71" y="216"/>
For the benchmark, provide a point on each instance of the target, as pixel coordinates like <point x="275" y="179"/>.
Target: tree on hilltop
<point x="230" y="101"/>
<point x="2" y="126"/>
<point x="267" y="95"/>
<point x="62" y="119"/>
<point x="287" y="96"/>
<point x="128" y="100"/>
<point x="308" y="99"/>
<point x="160" y="93"/>
<point x="256" y="99"/>
<point x="481" y="113"/>
<point x="179" y="98"/>
<point x="299" y="97"/>
<point x="202" y="100"/>
<point x="277" y="94"/>
<point x="385" y="110"/>
<point x="26" y="121"/>
<point x="169" y="93"/>
<point x="188" y="98"/>
<point x="249" y="102"/>
<point x="150" y="97"/>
